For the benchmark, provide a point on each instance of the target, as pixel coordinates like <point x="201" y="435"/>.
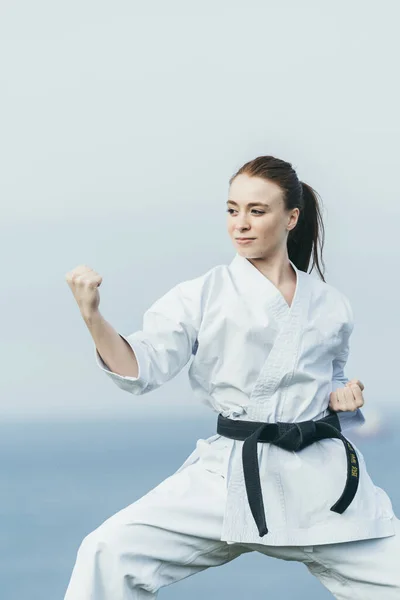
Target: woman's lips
<point x="244" y="241"/>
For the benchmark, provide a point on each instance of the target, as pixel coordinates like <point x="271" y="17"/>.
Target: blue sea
<point x="60" y="480"/>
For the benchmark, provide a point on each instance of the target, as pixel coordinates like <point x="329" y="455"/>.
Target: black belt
<point x="289" y="436"/>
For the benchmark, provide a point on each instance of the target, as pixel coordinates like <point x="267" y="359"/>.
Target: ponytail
<point x="309" y="233"/>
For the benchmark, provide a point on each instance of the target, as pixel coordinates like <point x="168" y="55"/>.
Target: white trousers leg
<point x="361" y="570"/>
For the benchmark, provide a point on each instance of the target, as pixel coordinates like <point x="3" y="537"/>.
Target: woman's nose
<point x="242" y="222"/>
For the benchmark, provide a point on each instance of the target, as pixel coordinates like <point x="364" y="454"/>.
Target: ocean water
<point x="59" y="481"/>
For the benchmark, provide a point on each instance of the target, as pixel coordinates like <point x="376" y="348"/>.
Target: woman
<point x="269" y="343"/>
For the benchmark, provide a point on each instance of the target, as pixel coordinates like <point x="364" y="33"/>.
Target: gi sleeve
<point x="166" y="341"/>
<point x="339" y="378"/>
<point x="351" y="418"/>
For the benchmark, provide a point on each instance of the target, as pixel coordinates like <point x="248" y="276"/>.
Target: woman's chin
<point x="248" y="253"/>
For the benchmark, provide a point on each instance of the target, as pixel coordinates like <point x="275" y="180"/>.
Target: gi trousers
<point x="174" y="532"/>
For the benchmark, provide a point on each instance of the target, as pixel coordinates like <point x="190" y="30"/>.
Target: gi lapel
<point x="282" y="358"/>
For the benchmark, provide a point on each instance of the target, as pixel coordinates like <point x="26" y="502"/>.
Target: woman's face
<point x="256" y="210"/>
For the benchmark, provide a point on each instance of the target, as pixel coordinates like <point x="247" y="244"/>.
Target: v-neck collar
<point x="255" y="279"/>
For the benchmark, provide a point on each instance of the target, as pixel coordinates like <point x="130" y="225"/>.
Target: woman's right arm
<point x="113" y="349"/>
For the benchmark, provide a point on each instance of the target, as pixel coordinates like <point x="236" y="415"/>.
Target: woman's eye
<point x="258" y="212"/>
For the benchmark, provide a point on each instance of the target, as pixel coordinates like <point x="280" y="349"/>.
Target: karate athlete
<point x="269" y="342"/>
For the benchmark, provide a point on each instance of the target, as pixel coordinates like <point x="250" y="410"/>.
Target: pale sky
<point x="121" y="124"/>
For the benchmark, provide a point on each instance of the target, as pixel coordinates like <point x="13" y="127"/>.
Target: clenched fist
<point x="84" y="283"/>
<point x="347" y="398"/>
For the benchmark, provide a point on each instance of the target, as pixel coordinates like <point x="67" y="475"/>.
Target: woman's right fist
<point x="84" y="283"/>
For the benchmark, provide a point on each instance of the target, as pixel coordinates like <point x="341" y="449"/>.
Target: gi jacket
<point x="256" y="358"/>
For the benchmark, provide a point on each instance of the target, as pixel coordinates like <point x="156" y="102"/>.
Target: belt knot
<point x="295" y="436"/>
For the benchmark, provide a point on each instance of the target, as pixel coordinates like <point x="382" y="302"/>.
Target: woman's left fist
<point x="347" y="398"/>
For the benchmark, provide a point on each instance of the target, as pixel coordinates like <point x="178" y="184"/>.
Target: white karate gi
<point x="255" y="358"/>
